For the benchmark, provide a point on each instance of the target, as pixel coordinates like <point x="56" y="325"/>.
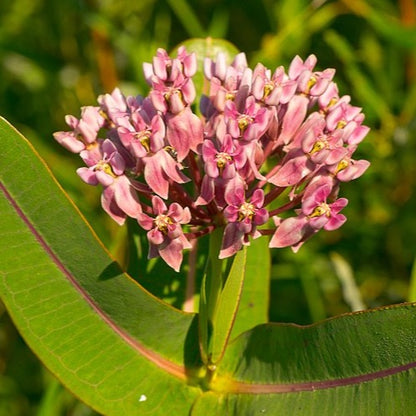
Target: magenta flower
<point x="348" y="119"/>
<point x="119" y="198"/>
<point x="311" y="83"/>
<point x="167" y="69"/>
<point x="227" y="82"/>
<point x="142" y="133"/>
<point x="172" y="93"/>
<point x="222" y="162"/>
<point x="174" y="97"/>
<point x="348" y="169"/>
<point x="171" y="79"/>
<point x="184" y="132"/>
<point x="292" y="117"/>
<point x="316" y="213"/>
<point x="145" y="138"/>
<point x="242" y="217"/>
<point x="113" y="105"/>
<point x="84" y="131"/>
<point x="225" y="161"/>
<point x="272" y="90"/>
<point x="102" y="170"/>
<point x="329" y="98"/>
<point x="294" y="168"/>
<point x="250" y="124"/>
<point x="221" y="71"/>
<point x="320" y="213"/>
<point x="165" y="235"/>
<point x="268" y="144"/>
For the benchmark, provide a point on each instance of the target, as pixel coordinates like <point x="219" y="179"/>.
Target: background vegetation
<point x="58" y="56"/>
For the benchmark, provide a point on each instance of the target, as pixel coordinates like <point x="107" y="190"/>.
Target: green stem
<point x="220" y="298"/>
<point x="212" y="285"/>
<point x="214" y="277"/>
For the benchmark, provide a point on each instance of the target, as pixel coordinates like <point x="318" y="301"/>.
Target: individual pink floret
<point x="84" y="131"/>
<point x="119" y="198"/>
<point x="242" y="218"/>
<point x="165" y="235"/>
<point x="316" y="213"/>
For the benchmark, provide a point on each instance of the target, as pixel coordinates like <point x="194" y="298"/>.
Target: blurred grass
<point x="58" y="56"/>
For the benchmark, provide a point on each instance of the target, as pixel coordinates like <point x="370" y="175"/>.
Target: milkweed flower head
<point x="266" y="156"/>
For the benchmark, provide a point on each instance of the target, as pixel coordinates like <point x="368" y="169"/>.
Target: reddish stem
<point x="273" y="194"/>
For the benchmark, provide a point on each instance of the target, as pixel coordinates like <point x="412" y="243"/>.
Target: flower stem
<point x="210" y="293"/>
<point x="215" y="279"/>
<point x="190" y="279"/>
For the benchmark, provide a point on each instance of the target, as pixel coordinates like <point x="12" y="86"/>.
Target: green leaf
<point x="124" y="352"/>
<point x="254" y="303"/>
<point x="219" y="301"/>
<point x="412" y="288"/>
<point x="227" y="307"/>
<point x="356" y="364"/>
<point x="113" y="344"/>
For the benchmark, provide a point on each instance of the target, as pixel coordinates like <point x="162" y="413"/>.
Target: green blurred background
<point x="58" y="56"/>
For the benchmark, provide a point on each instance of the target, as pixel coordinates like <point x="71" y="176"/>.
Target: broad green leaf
<point x="113" y="344"/>
<point x="355" y="364"/>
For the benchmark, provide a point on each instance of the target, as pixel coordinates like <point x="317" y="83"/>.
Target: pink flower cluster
<point x="266" y="144"/>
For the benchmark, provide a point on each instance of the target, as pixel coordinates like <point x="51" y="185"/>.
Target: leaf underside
<point x="124" y="352"/>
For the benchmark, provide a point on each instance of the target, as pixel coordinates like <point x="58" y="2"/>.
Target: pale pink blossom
<point x="316" y="213"/>
<point x="119" y="198"/>
<point x="242" y="217"/>
<point x="165" y="235"/>
<point x="83" y="132"/>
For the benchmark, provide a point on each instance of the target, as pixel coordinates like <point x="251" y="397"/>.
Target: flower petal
<point x="88" y="176"/>
<point x="232" y="240"/>
<point x="126" y="197"/>
<point x="290" y="232"/>
<point x="110" y="207"/>
<point x="172" y="254"/>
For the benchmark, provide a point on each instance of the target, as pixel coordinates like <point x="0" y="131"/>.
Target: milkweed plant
<point x="253" y="154"/>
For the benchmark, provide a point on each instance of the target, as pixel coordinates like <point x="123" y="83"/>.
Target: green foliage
<point x="123" y="351"/>
<point x="220" y="298"/>
<point x="58" y="56"/>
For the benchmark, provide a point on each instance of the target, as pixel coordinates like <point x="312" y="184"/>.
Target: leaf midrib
<point x="238" y="387"/>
